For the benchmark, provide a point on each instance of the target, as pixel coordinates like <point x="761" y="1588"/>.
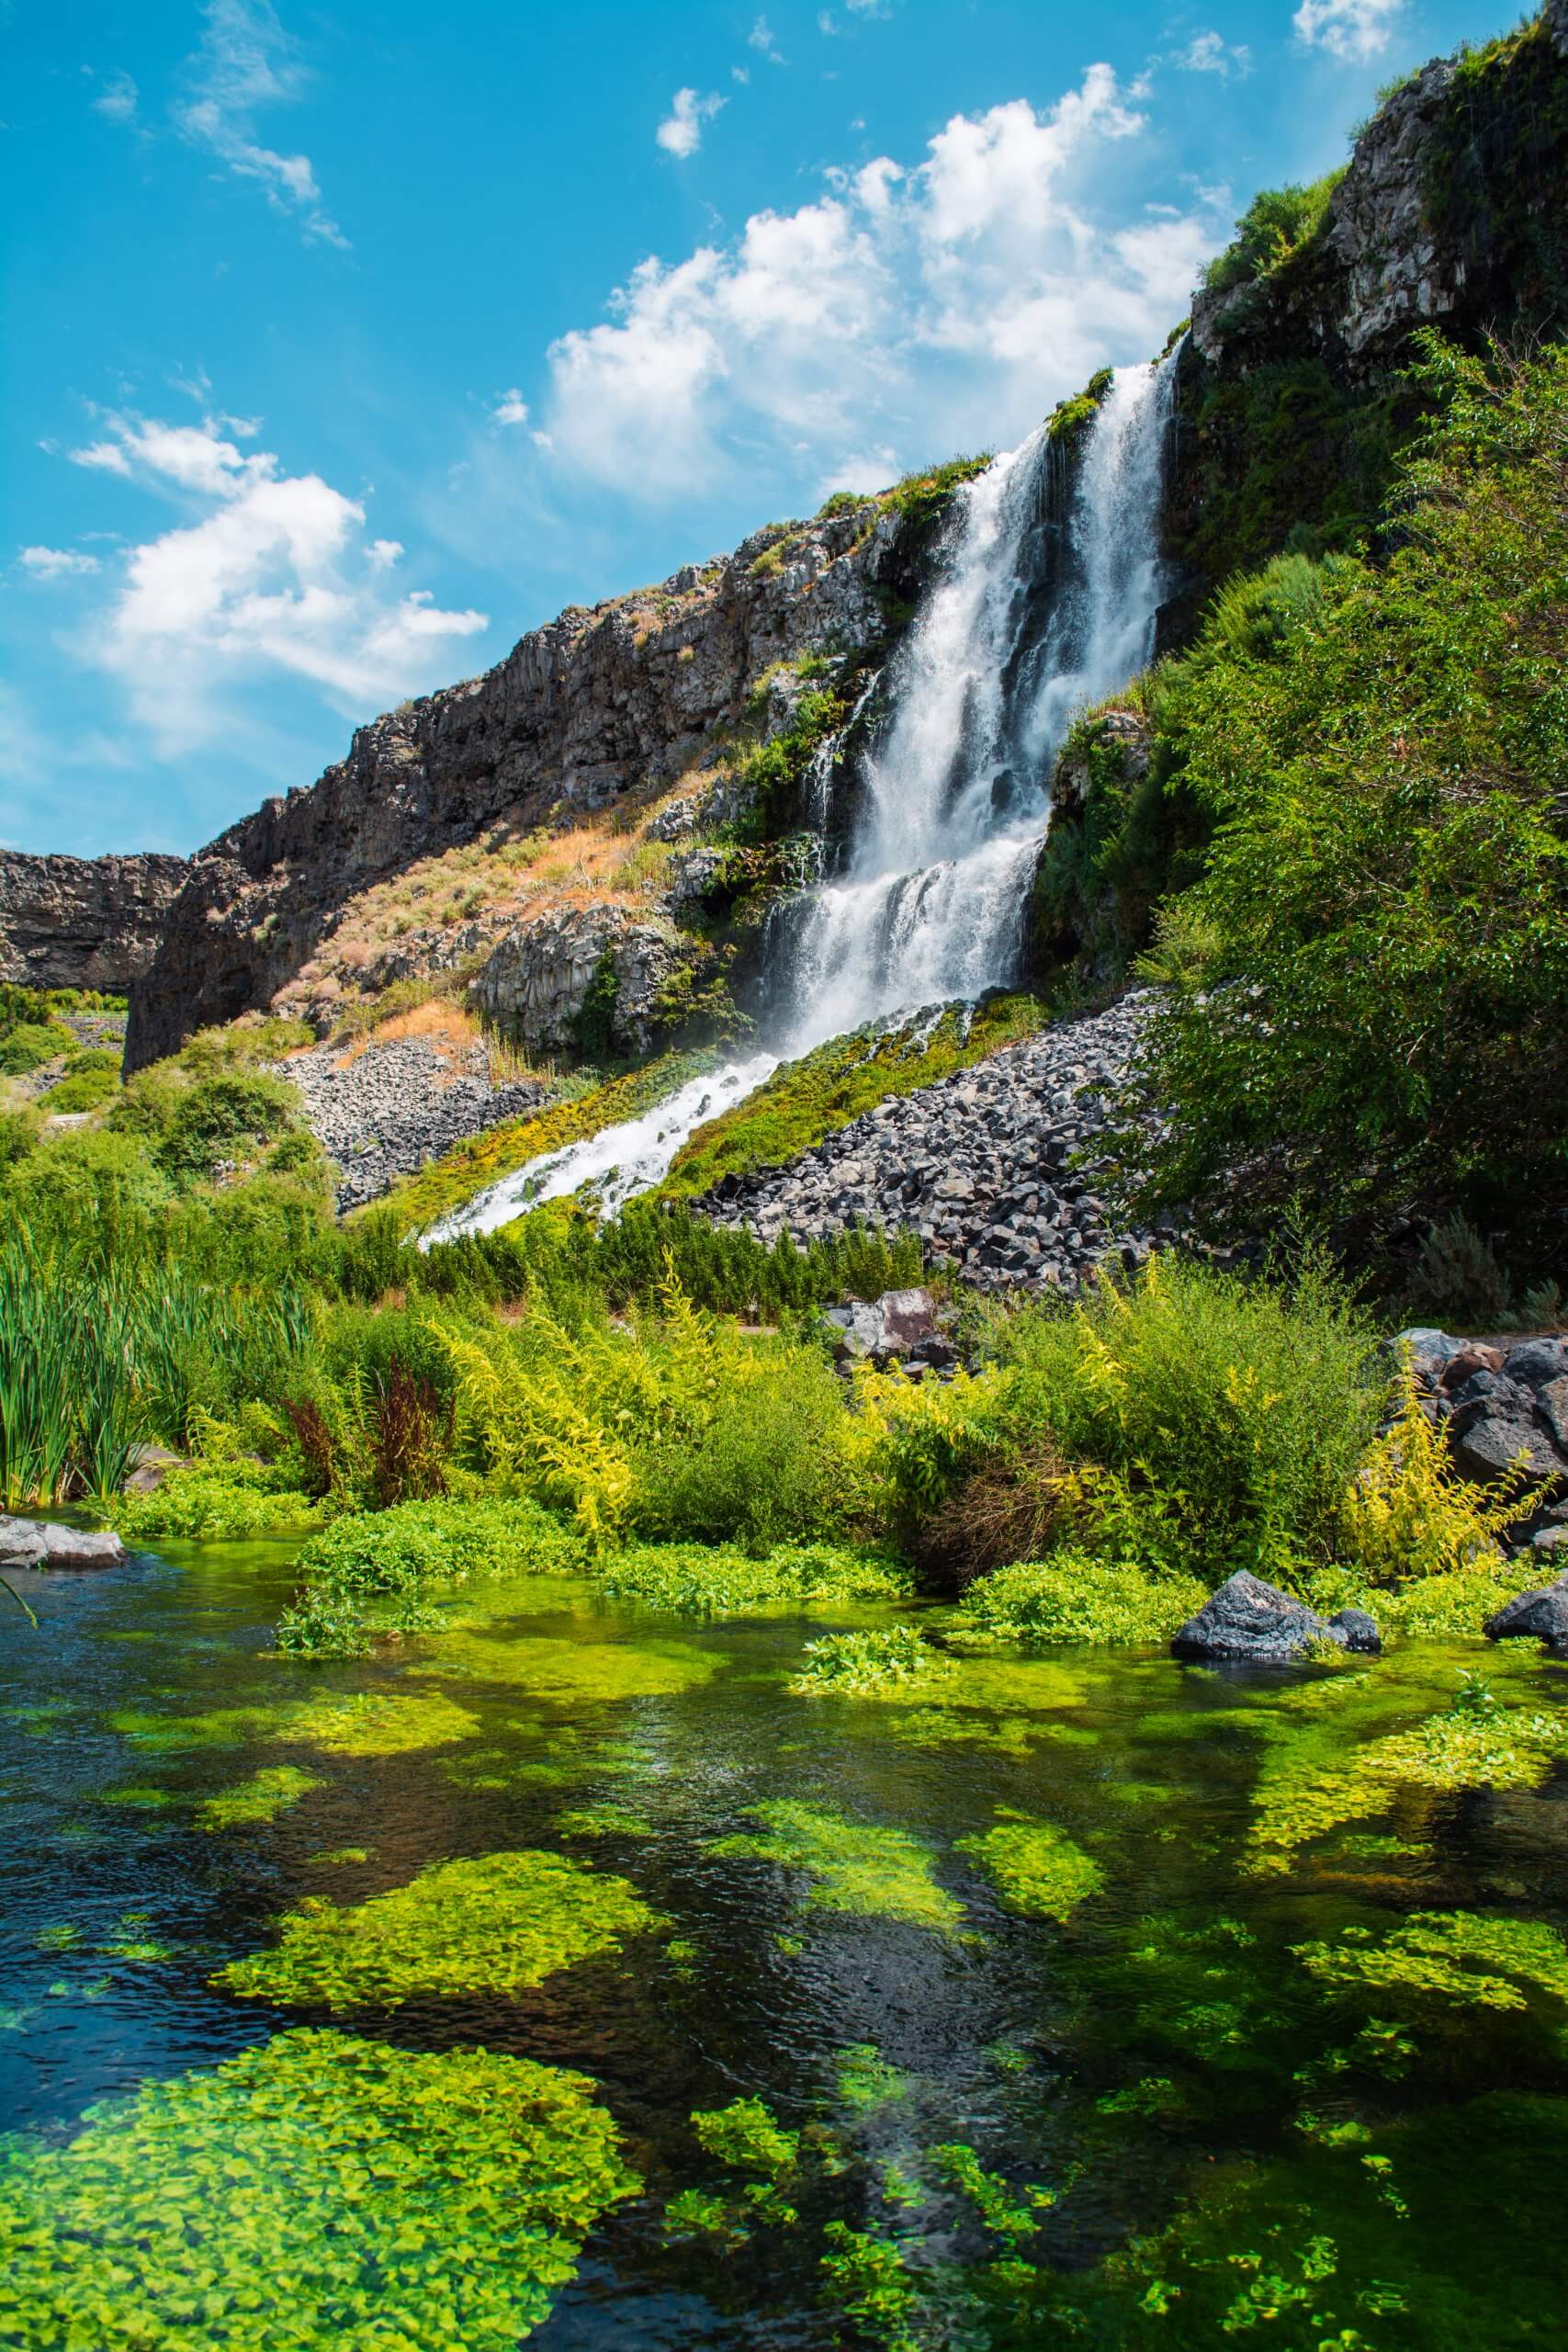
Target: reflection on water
<point x="1043" y="1913"/>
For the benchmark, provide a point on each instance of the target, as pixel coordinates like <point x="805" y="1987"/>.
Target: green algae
<point x="604" y="1821"/>
<point x="864" y="2078"/>
<point x="498" y="1925"/>
<point x="555" y="1669"/>
<point x="181" y="1735"/>
<point x="1011" y="1736"/>
<point x="859" y="1665"/>
<point x="866" y="1869"/>
<point x="263" y="1797"/>
<point x="331" y="2192"/>
<point x="1449" y="1957"/>
<point x="142" y="1796"/>
<point x="1301" y="1796"/>
<point x="1035" y="1866"/>
<point x="336" y="1856"/>
<point x="376" y="1722"/>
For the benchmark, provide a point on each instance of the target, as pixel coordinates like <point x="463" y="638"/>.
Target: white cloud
<point x="117" y="99"/>
<point x="741" y="74"/>
<point x="56" y="563"/>
<point x="246" y="62"/>
<point x="761" y="39"/>
<point x="1350" y="30"/>
<point x="1210" y="53"/>
<point x="916" y="310"/>
<point x="274" y="574"/>
<point x="510" y="409"/>
<point x="681" y="134"/>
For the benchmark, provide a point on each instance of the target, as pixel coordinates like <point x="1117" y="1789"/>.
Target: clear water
<point x="1148" y="2059"/>
<point x="953" y="800"/>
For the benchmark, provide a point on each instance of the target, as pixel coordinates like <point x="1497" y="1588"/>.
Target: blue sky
<point x="345" y="342"/>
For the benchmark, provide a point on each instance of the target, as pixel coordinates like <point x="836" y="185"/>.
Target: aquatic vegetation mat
<point x="1035" y="1867"/>
<point x="274" y="1790"/>
<point x="499" y="1926"/>
<point x="863" y="1867"/>
<point x="547" y="1668"/>
<point x="711" y="1580"/>
<point x="318" y="2191"/>
<point x="856" y="1665"/>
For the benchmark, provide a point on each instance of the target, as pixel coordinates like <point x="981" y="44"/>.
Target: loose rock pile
<point x="1498" y="1404"/>
<point x="981" y="1165"/>
<point x="383" y="1113"/>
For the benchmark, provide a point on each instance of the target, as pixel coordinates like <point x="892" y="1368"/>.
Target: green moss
<point x="338" y="1857"/>
<point x="921" y="498"/>
<point x="857" y="1664"/>
<point x="858" y="1867"/>
<point x="263" y="1797"/>
<point x="332" y="2192"/>
<point x="604" y="1821"/>
<point x="1450" y="1959"/>
<point x="1074" y="1598"/>
<point x="471" y="1167"/>
<point x="144" y="1796"/>
<point x="499" y="1924"/>
<point x="1035" y="1866"/>
<point x="178" y="1735"/>
<point x="1070" y="419"/>
<point x="806" y="1100"/>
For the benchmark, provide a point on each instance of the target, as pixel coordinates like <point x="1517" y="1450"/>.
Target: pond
<point x="1086" y="1998"/>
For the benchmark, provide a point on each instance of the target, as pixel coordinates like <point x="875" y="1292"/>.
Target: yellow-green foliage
<point x="1450" y="1959"/>
<point x="855" y="1866"/>
<point x="229" y="2206"/>
<point x="375" y="1723"/>
<point x="855" y="1665"/>
<point x="708" y="1580"/>
<point x="1409" y="1514"/>
<point x="1073" y="1597"/>
<point x="470" y="1166"/>
<point x="1035" y="1867"/>
<point x="274" y="1790"/>
<point x="806" y="1100"/>
<point x="496" y="1926"/>
<point x="677" y="1424"/>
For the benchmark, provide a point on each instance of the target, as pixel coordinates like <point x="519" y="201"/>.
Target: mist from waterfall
<point x="1035" y="613"/>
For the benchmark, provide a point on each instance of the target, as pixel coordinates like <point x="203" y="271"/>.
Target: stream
<point x="1146" y="2058"/>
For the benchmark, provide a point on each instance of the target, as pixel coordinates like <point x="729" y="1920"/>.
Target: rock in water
<point x="1249" y="1618"/>
<point x="1360" y="1631"/>
<point x="1541" y="1615"/>
<point x="43" y="1544"/>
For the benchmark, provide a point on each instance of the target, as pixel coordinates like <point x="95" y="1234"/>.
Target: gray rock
<point x="83" y="922"/>
<point x="383" y="1113"/>
<point x="1251" y="1620"/>
<point x="1486" y="1450"/>
<point x="1538" y="1363"/>
<point x="900" y="1323"/>
<point x="33" y="1543"/>
<point x="1360" y="1631"/>
<point x="1541" y="1616"/>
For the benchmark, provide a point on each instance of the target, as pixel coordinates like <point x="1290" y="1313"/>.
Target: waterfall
<point x="1035" y="613"/>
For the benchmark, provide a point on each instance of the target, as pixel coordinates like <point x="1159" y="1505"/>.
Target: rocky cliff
<point x="1449" y="214"/>
<point x="617" y="701"/>
<point x="83" y="922"/>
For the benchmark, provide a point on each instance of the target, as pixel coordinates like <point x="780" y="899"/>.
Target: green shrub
<point x="1383" y="1019"/>
<point x="32" y="1043"/>
<point x="224" y="1120"/>
<point x="715" y="1580"/>
<point x="1230" y="1414"/>
<point x="850" y="1665"/>
<point x="374" y="1571"/>
<point x="1074" y="1597"/>
<point x="1280" y="223"/>
<point x="209" y="1502"/>
<point x="91" y="1079"/>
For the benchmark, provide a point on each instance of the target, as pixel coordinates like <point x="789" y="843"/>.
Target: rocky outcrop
<point x="1541" y="1616"/>
<point x="383" y="1111"/>
<point x="1504" y="1410"/>
<point x="984" y="1166"/>
<point x="552" y="981"/>
<point x="1252" y="1622"/>
<point x="83" y="922"/>
<point x="622" y="698"/>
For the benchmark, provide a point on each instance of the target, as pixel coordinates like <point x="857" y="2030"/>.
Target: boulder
<point x="1360" y="1631"/>
<point x="1485" y="1448"/>
<point x="42" y="1544"/>
<point x="1251" y="1620"/>
<point x="900" y="1323"/>
<point x="1541" y="1615"/>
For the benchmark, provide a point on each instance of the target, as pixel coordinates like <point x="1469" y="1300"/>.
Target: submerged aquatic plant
<point x="1447" y="1958"/>
<point x="852" y="1665"/>
<point x="863" y="1867"/>
<point x="377" y="1723"/>
<point x="1035" y="1866"/>
<point x="263" y="1797"/>
<point x="487" y="2172"/>
<point x="497" y="1925"/>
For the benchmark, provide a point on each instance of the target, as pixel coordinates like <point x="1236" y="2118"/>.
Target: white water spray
<point x="1033" y="617"/>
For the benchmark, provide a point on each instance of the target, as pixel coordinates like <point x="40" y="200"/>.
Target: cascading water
<point x="1035" y="614"/>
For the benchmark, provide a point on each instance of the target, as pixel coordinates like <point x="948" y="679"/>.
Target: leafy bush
<point x="209" y="1502"/>
<point x="713" y="1580"/>
<point x="91" y="1079"/>
<point x="1410" y="1515"/>
<point x="373" y="1571"/>
<point x="847" y="1665"/>
<point x="30" y="1044"/>
<point x="223" y="1121"/>
<point x="1280" y="223"/>
<point x="1074" y="1597"/>
<point x="1381" y="1020"/>
<point x="1236" y="1411"/>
